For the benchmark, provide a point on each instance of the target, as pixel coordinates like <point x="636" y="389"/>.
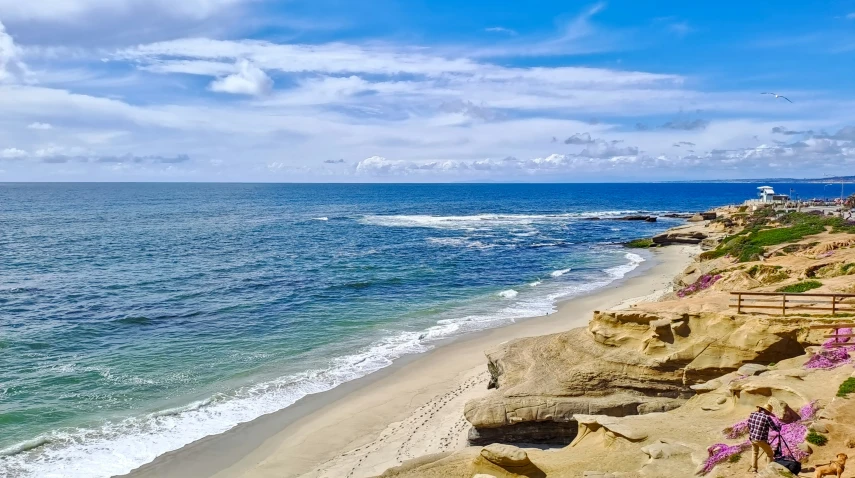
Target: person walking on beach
<point x="759" y="424"/>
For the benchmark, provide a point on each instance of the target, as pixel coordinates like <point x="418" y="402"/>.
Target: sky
<point x="425" y="90"/>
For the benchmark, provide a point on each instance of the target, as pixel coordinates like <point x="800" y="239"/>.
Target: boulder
<point x="506" y="456"/>
<point x="696" y="218"/>
<point x="709" y="216"/>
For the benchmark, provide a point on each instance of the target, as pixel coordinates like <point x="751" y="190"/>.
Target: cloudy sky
<point x="424" y="90"/>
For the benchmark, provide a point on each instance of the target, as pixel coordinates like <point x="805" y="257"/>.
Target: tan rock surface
<point x="625" y="363"/>
<point x="674" y="444"/>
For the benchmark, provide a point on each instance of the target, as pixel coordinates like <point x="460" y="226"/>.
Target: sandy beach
<point x="410" y="409"/>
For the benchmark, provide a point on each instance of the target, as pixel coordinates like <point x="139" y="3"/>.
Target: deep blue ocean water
<point x="137" y="318"/>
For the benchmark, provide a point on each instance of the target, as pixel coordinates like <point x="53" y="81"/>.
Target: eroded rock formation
<point x="625" y="363"/>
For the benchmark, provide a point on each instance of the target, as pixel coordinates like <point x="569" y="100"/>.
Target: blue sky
<point x="424" y="90"/>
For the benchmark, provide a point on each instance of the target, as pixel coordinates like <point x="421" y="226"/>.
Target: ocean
<point x="137" y="318"/>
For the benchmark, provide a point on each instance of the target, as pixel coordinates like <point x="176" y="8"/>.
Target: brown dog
<point x="835" y="468"/>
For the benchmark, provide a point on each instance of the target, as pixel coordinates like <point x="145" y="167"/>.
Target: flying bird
<point x="776" y="96"/>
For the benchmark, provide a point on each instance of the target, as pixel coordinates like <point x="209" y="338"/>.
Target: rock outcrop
<point x="674" y="443"/>
<point x="668" y="238"/>
<point x="626" y="363"/>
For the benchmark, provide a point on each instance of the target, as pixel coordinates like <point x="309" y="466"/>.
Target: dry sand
<point x="410" y="409"/>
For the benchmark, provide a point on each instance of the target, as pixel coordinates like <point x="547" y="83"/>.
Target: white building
<point x="767" y="194"/>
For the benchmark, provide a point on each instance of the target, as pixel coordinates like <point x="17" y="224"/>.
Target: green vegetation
<point x="847" y="387"/>
<point x="735" y="458"/>
<point x="800" y="287"/>
<point x="743" y="208"/>
<point x="817" y="439"/>
<point x="750" y="243"/>
<point x="640" y="243"/>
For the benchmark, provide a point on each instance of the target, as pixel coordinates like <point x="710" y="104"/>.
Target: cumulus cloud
<point x="13" y="153"/>
<point x="37" y="125"/>
<point x="249" y="80"/>
<point x="580" y="138"/>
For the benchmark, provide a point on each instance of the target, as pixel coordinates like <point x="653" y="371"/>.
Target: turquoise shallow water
<point x="136" y="318"/>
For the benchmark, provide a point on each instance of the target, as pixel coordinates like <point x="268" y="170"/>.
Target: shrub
<point x="817" y="439"/>
<point x="639" y="243"/>
<point x="800" y="287"/>
<point x="735" y="458"/>
<point x="743" y="208"/>
<point x="847" y="387"/>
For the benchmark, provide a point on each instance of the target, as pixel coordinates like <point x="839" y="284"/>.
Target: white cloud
<point x="249" y="80"/>
<point x="42" y="126"/>
<point x="13" y="153"/>
<point x="11" y="66"/>
<point x="63" y="11"/>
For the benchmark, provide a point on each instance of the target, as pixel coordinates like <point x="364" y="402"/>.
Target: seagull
<point x="776" y="96"/>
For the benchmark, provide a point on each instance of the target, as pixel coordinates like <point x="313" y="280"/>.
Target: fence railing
<point x="783" y="302"/>
<point x="837" y="336"/>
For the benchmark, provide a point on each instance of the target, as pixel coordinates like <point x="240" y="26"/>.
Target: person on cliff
<point x="759" y="424"/>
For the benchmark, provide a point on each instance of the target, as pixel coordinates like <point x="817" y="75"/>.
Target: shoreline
<point x="365" y="426"/>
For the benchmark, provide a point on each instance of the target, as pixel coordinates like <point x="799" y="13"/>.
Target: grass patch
<point x="800" y="287"/>
<point x="743" y="208"/>
<point x="750" y="244"/>
<point x="735" y="458"/>
<point x="847" y="387"/>
<point x="817" y="439"/>
<point x="639" y="243"/>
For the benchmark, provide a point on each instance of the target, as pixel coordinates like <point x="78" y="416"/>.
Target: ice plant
<point x="793" y="434"/>
<point x="704" y="282"/>
<point x="829" y="356"/>
<point x="721" y="452"/>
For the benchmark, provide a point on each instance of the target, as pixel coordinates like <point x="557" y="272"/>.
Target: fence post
<point x="784" y="305"/>
<point x="739" y="303"/>
<point x="834" y="306"/>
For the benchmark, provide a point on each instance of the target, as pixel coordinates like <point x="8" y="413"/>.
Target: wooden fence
<point x="782" y="302"/>
<point x="837" y="335"/>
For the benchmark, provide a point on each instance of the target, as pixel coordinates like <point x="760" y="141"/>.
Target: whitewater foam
<point x="480" y="221"/>
<point x="120" y="446"/>
<point x="560" y="272"/>
<point x="320" y="219"/>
